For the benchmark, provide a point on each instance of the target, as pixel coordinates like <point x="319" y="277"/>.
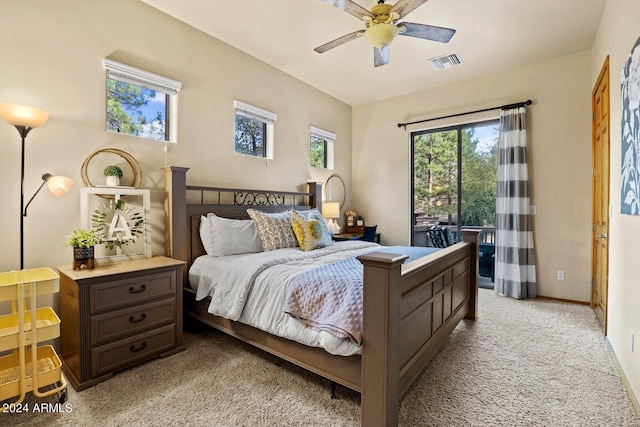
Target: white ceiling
<point x="492" y="36"/>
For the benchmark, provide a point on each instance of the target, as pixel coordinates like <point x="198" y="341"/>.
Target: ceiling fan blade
<point x="350" y="7"/>
<point x="427" y="32"/>
<point x="340" y="40"/>
<point x="404" y="7"/>
<point x="380" y="56"/>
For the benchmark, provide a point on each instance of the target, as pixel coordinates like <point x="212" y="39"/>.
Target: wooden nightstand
<point x="118" y="315"/>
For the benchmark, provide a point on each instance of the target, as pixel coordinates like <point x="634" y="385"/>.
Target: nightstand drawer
<point x="117" y="315"/>
<point x="127" y="352"/>
<point x="129" y="321"/>
<point x="132" y="290"/>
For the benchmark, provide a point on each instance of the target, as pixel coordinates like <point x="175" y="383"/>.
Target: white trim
<point x="128" y="74"/>
<point x="252" y="112"/>
<point x="321" y="133"/>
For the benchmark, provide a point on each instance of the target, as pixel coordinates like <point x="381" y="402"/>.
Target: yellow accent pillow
<point x="310" y="233"/>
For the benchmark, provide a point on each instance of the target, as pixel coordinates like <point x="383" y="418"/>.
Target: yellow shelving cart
<point x="20" y="333"/>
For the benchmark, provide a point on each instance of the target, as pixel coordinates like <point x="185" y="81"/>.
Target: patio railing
<point x="486" y="249"/>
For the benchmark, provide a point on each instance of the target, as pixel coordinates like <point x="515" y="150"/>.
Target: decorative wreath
<point x="111" y="213"/>
<point x="133" y="163"/>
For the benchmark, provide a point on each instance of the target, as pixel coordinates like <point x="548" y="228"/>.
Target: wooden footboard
<point x="409" y="309"/>
<point x="409" y="312"/>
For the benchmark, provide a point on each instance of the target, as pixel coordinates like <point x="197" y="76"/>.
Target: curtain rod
<point x="503" y="107"/>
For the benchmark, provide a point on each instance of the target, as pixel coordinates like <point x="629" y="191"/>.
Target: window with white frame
<point x="254" y="130"/>
<point x="321" y="147"/>
<point x="140" y="103"/>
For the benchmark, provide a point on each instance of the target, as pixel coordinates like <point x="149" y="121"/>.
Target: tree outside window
<point x="436" y="170"/>
<point x="251" y="136"/>
<point x="254" y="130"/>
<point x="321" y="147"/>
<point x="318" y="152"/>
<point x="135" y="110"/>
<point x="140" y="103"/>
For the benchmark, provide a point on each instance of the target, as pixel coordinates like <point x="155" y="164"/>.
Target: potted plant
<point x="113" y="174"/>
<point x="83" y="243"/>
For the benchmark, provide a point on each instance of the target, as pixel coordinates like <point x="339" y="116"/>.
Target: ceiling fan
<point x="381" y="26"/>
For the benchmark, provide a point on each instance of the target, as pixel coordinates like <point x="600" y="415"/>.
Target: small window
<point x="321" y="148"/>
<point x="254" y="130"/>
<point x="140" y="103"/>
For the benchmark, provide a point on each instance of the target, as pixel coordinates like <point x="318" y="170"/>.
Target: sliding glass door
<point x="454" y="176"/>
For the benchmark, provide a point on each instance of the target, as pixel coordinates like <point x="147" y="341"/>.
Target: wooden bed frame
<point x="409" y="310"/>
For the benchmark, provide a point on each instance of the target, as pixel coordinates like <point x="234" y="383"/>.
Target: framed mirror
<point x="334" y="190"/>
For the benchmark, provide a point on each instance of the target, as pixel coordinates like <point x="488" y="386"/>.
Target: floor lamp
<point x="26" y="118"/>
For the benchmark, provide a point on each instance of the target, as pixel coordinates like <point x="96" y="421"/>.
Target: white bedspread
<point x="251" y="288"/>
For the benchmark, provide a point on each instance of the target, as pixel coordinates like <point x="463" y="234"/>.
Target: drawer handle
<point x="133" y="348"/>
<point x="137" y="291"/>
<point x="134" y="320"/>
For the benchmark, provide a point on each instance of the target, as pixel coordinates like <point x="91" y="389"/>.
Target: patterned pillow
<point x="311" y="233"/>
<point x="274" y="229"/>
<point x="315" y="214"/>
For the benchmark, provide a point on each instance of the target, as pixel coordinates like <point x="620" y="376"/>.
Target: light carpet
<point x="522" y="363"/>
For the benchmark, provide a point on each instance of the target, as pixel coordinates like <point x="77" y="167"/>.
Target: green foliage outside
<point x="318" y="152"/>
<point x="124" y="111"/>
<point x="436" y="173"/>
<point x="250" y="136"/>
<point x="479" y="177"/>
<point x="436" y="177"/>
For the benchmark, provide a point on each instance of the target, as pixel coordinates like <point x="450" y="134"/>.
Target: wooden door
<point x="600" y="201"/>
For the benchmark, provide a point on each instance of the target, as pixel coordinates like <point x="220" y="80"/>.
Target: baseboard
<point x="632" y="396"/>
<point x="570" y="301"/>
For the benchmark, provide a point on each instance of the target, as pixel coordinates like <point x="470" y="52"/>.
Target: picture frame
<point x="121" y="217"/>
<point x="630" y="126"/>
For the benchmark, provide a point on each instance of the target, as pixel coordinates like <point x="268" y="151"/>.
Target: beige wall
<point x="53" y="58"/>
<point x="616" y="37"/>
<point x="559" y="141"/>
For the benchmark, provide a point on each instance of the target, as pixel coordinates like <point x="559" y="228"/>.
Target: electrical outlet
<point x="631" y="341"/>
<point x="560" y="275"/>
<point x="533" y="210"/>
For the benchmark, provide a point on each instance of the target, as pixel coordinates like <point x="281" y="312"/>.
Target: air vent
<point x="447" y="61"/>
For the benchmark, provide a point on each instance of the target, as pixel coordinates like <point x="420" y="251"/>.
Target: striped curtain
<point x="515" y="272"/>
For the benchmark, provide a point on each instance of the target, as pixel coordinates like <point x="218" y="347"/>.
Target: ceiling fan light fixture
<point x="381" y="35"/>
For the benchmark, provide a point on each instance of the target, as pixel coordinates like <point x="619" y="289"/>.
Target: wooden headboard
<point x="184" y="204"/>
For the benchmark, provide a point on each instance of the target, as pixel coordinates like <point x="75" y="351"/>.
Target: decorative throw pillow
<point x="274" y="229"/>
<point x="225" y="236"/>
<point x="315" y="214"/>
<point x="311" y="233"/>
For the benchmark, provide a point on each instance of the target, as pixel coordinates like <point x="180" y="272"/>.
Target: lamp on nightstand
<point x="26" y="118"/>
<point x="331" y="210"/>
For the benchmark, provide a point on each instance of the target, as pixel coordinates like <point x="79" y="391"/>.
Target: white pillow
<point x="225" y="236"/>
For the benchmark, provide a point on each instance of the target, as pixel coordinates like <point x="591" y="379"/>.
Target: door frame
<point x="604" y="74"/>
<point x="458" y="128"/>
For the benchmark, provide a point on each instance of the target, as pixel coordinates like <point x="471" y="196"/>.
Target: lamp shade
<point x="23" y="115"/>
<point x="331" y="210"/>
<point x="59" y="185"/>
<point x="381" y="35"/>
